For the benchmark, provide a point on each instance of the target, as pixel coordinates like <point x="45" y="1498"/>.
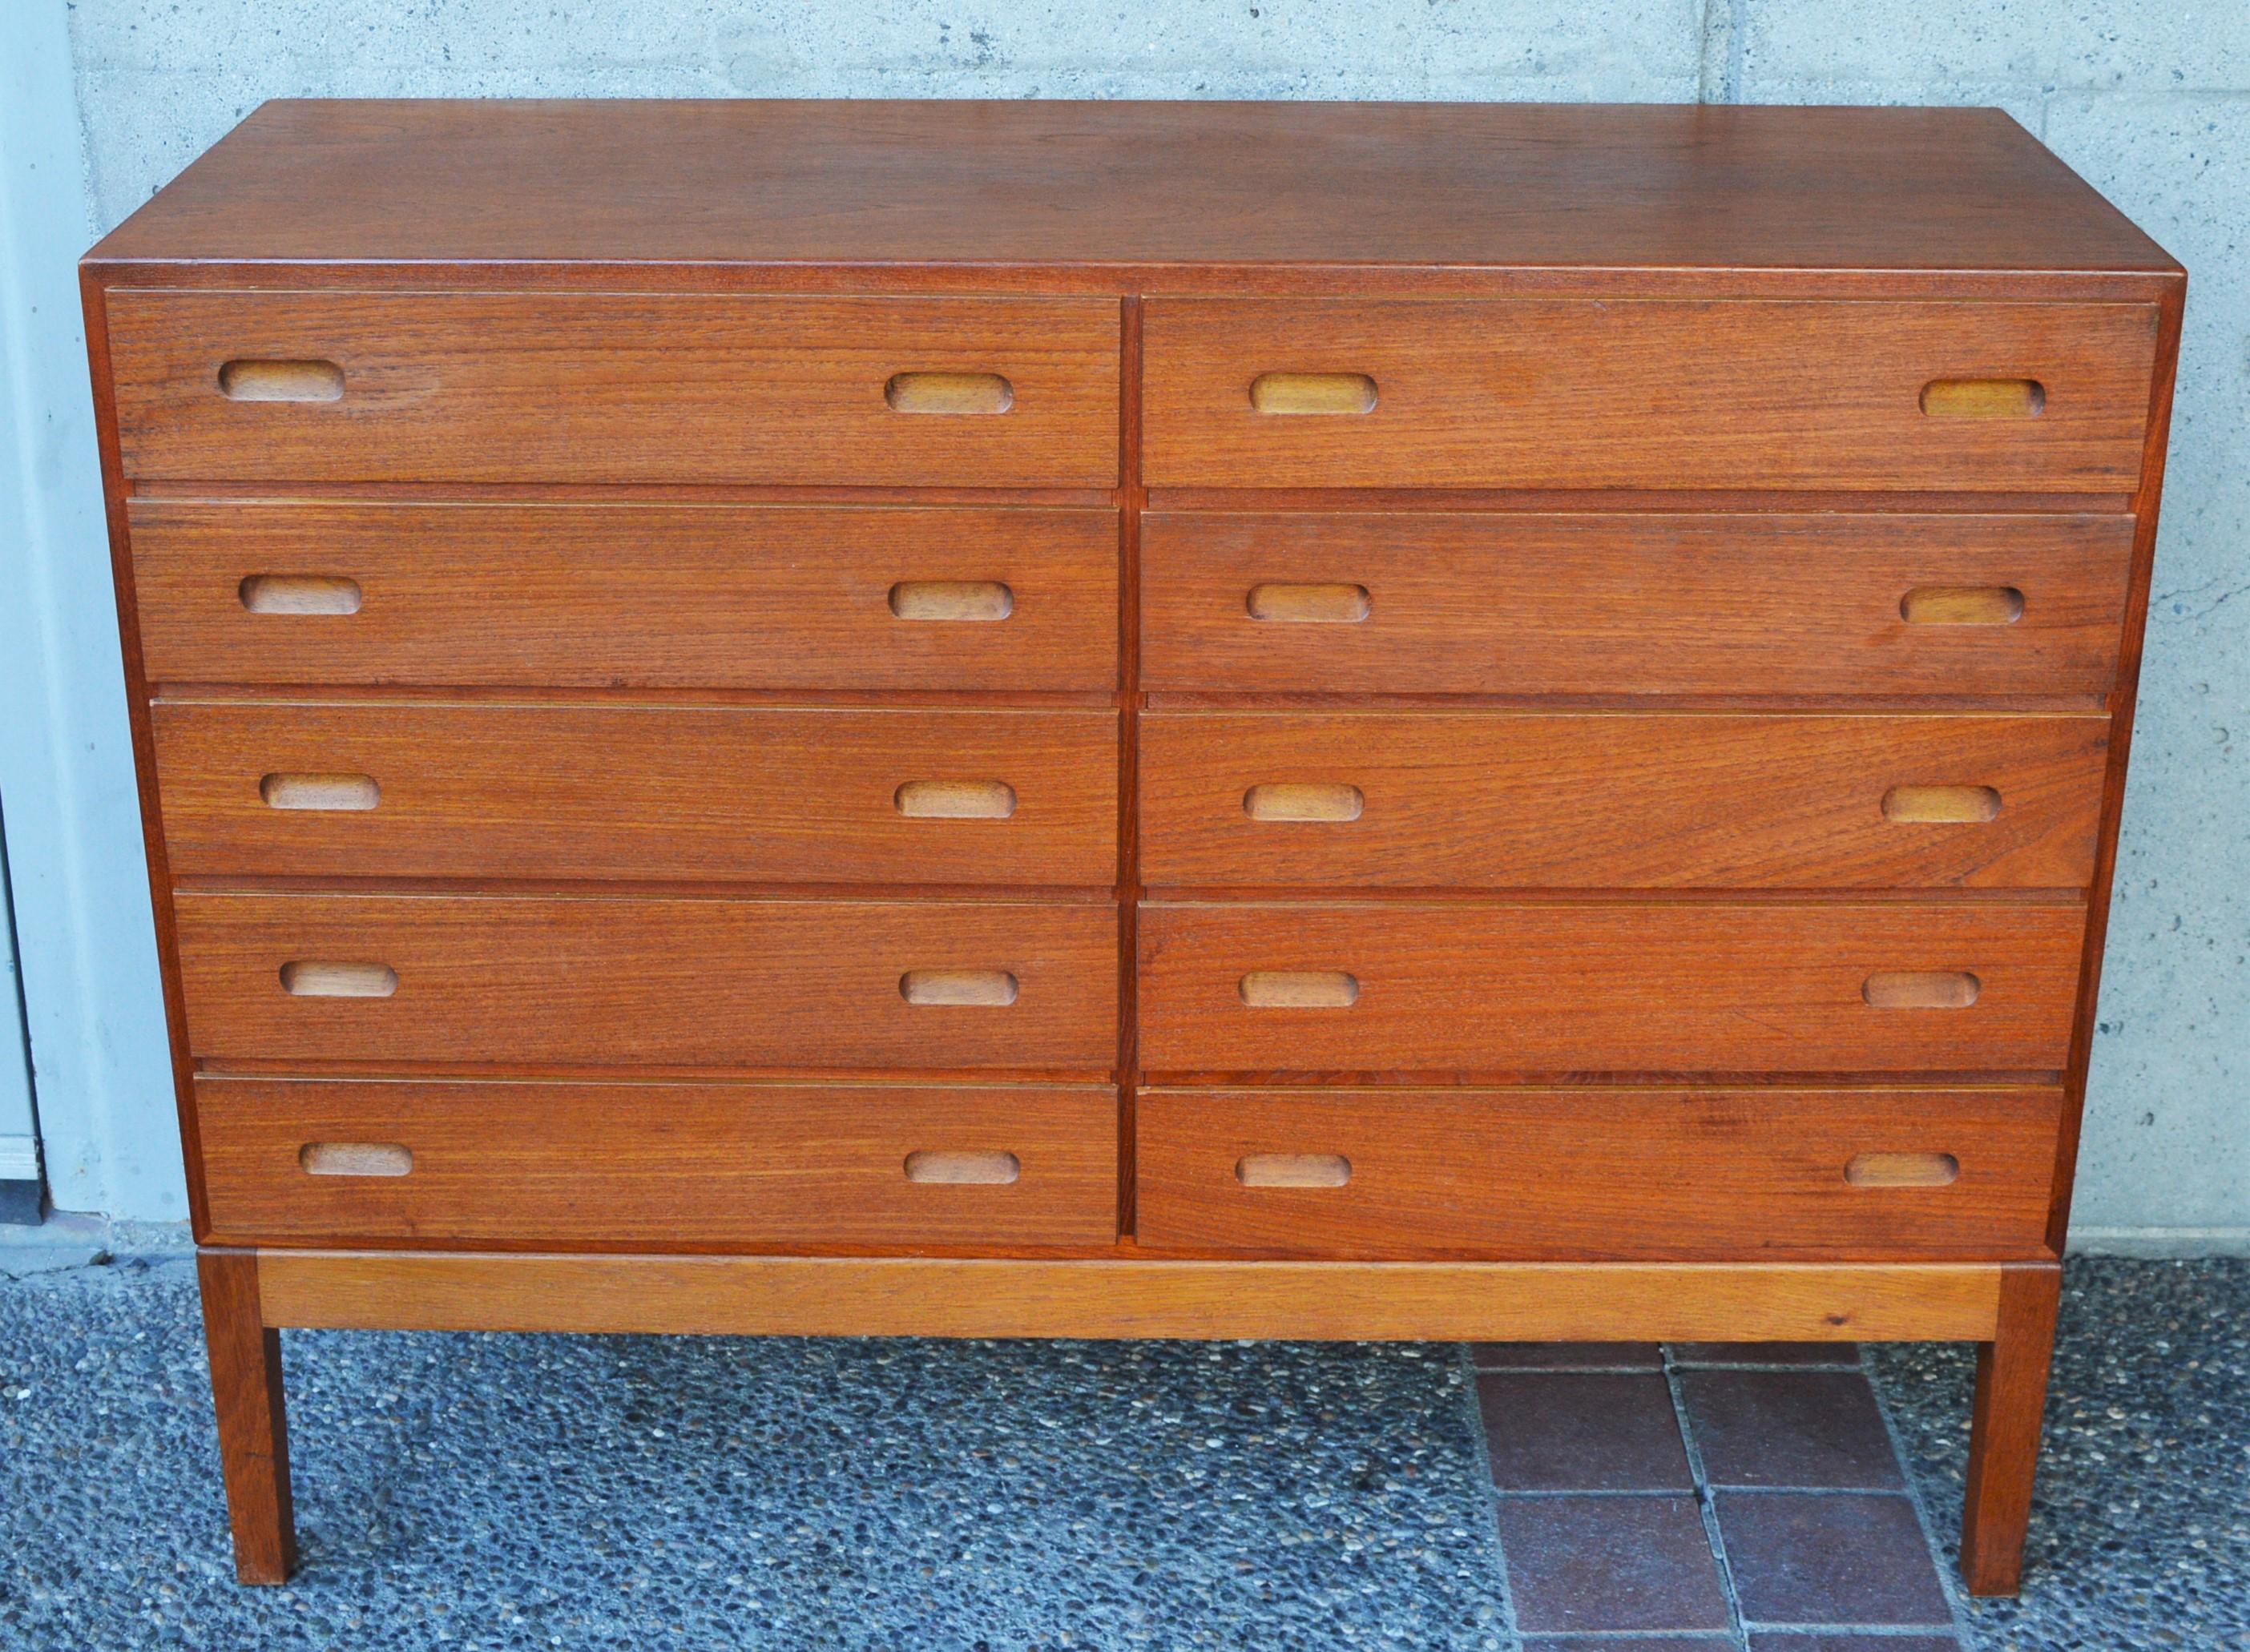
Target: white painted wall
<point x="2152" y="102"/>
<point x="19" y="1131"/>
<point x="84" y="936"/>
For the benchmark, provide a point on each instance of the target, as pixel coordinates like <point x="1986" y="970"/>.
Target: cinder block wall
<point x="2150" y="102"/>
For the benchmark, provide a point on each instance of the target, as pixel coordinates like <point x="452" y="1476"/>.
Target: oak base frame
<point x="2008" y="1309"/>
<point x="253" y="1426"/>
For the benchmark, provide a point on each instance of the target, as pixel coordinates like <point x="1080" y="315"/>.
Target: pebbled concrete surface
<point x="2141" y="1520"/>
<point x="665" y="1494"/>
<point x="661" y="1493"/>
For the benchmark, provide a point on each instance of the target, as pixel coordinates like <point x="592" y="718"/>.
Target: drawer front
<point x="612" y="981"/>
<point x="1536" y="603"/>
<point x="666" y="1166"/>
<point x="1597" y="1174"/>
<point x="1624" y="800"/>
<point x="1549" y="989"/>
<point x="1665" y="393"/>
<point x="410" y="790"/>
<point x="601" y="596"/>
<point x="615" y="387"/>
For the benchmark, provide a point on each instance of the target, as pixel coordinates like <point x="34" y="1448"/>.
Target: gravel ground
<point x="2141" y="1522"/>
<point x="651" y="1492"/>
<point x="658" y="1492"/>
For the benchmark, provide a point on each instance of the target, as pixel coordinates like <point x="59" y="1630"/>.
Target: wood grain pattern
<point x="949" y="394"/>
<point x="558" y="387"/>
<point x="958" y="799"/>
<point x="613" y="981"/>
<point x="940" y="186"/>
<point x="1594" y="1174"/>
<point x="299" y="594"/>
<point x="332" y="977"/>
<point x="1983" y="398"/>
<point x="2003" y="1430"/>
<point x="1921" y="988"/>
<point x="1912" y="1169"/>
<point x="537" y="1164"/>
<point x="1653" y="602"/>
<point x="253" y="1423"/>
<point x="320" y="794"/>
<point x="598" y="596"/>
<point x="642" y="791"/>
<point x="471" y="402"/>
<point x="1299" y="801"/>
<point x="1282" y="603"/>
<point x="1434" y="1301"/>
<point x="1647" y="392"/>
<point x="1942" y="805"/>
<point x="1526" y="800"/>
<point x="1962" y="605"/>
<point x="991" y="988"/>
<point x="1314" y="394"/>
<point x="94" y="299"/>
<point x="1676" y="987"/>
<point x="2085" y="1024"/>
<point x="1293" y="1170"/>
<point x="1297" y="989"/>
<point x="967" y="1168"/>
<point x="355" y="1159"/>
<point x="269" y="381"/>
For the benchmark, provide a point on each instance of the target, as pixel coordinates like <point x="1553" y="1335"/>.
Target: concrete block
<point x="150" y="126"/>
<point x="158" y="81"/>
<point x="2145" y="45"/>
<point x="2180" y="166"/>
<point x="2026" y="105"/>
<point x="2167" y="1118"/>
<point x="1896" y="50"/>
<point x="1998" y="51"/>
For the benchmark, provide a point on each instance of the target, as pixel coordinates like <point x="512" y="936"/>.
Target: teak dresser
<point x="1110" y="720"/>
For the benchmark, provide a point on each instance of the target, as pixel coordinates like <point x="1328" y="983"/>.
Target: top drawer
<point x="569" y="386"/>
<point x="1567" y="393"/>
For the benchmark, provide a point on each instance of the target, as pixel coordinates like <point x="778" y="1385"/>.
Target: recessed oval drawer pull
<point x="322" y="978"/>
<point x="355" y="1159"/>
<point x="1312" y="393"/>
<point x="1299" y="989"/>
<point x="256" y="380"/>
<point x="1941" y="805"/>
<point x="948" y="393"/>
<point x="960" y="1169"/>
<point x="320" y="791"/>
<point x="1309" y="604"/>
<point x="1902" y="1170"/>
<point x="956" y="800"/>
<point x="952" y="600"/>
<point x="1303" y="800"/>
<point x="958" y="986"/>
<point x="1922" y="990"/>
<point x="1983" y="398"/>
<point x="1293" y="1170"/>
<point x="1962" y="605"/>
<point x="299" y="594"/>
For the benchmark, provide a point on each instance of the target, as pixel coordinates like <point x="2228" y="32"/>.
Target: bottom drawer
<point x="664" y="1166"/>
<point x="1597" y="1174"/>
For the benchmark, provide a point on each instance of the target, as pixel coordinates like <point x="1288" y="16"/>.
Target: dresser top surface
<point x="1205" y="185"/>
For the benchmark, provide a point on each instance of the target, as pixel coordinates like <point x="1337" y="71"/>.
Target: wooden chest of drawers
<point x="1107" y="719"/>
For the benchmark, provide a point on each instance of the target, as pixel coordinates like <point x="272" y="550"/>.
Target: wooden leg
<point x="253" y="1432"/>
<point x="2003" y="1433"/>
